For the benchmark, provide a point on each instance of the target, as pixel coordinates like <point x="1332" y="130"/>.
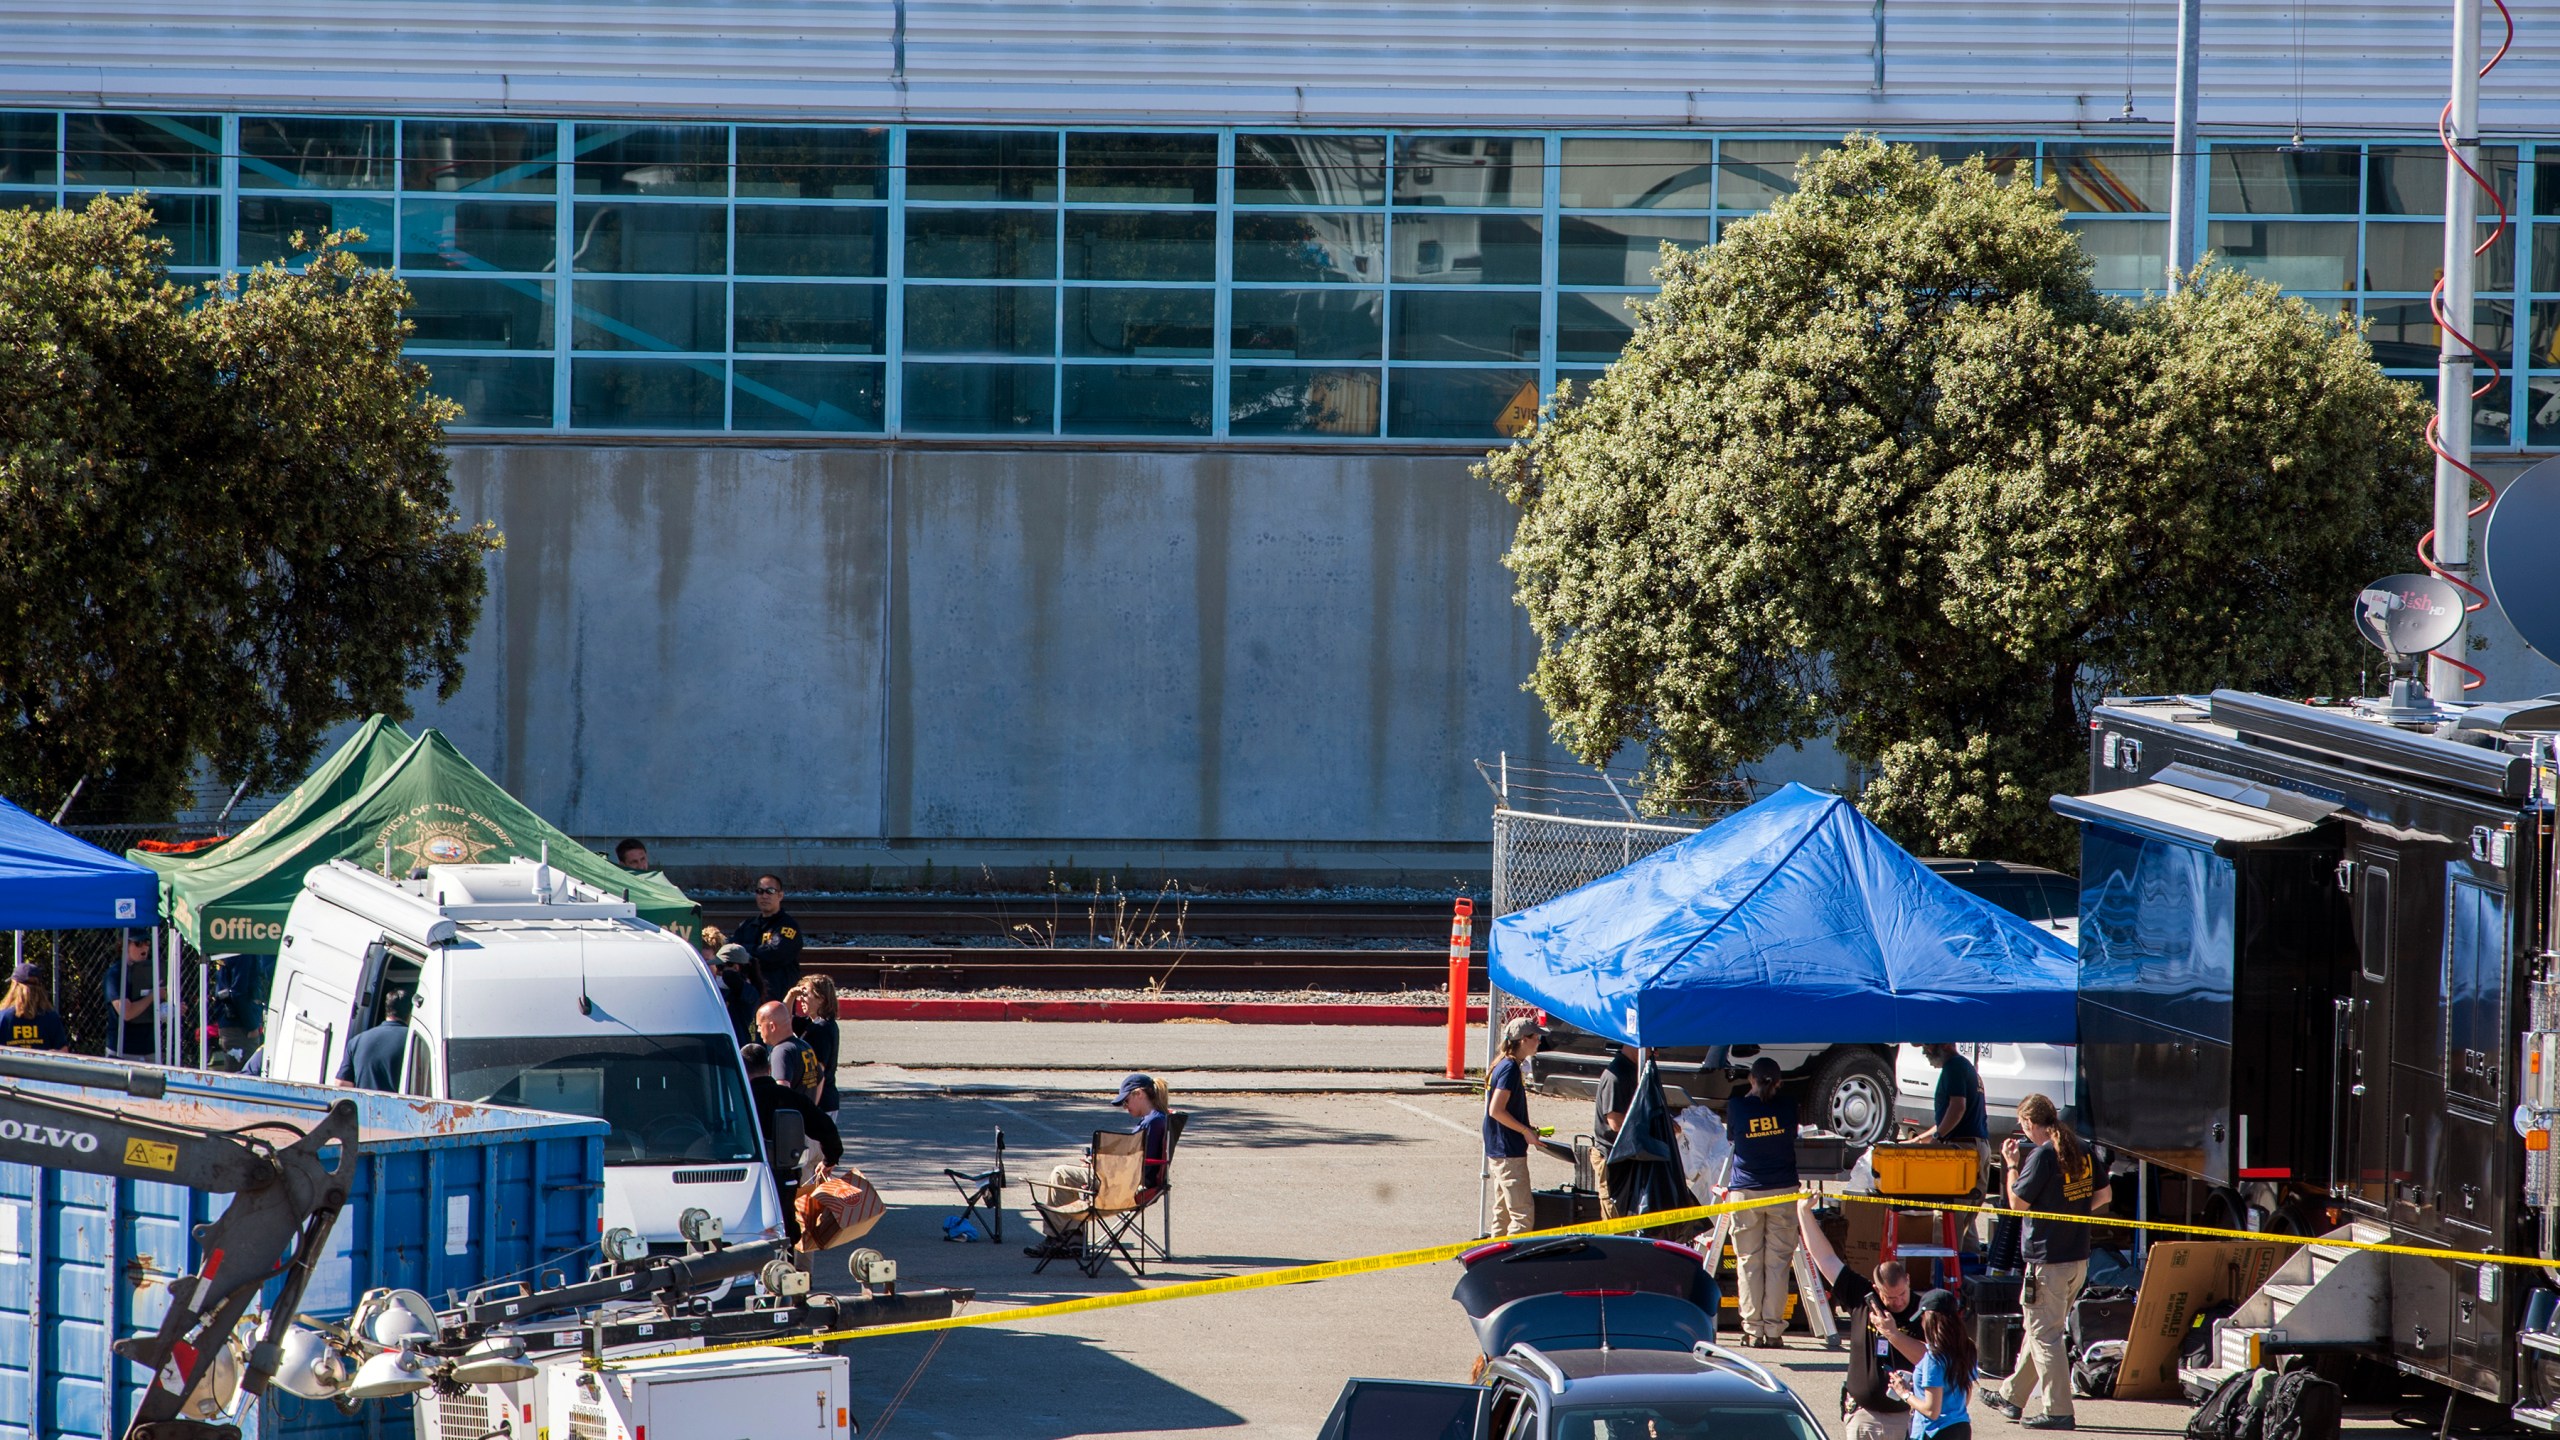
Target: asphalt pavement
<point x="1262" y="1180"/>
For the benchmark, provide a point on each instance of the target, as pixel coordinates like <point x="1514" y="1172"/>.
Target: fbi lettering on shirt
<point x="1765" y="1127"/>
<point x="2078" y="1182"/>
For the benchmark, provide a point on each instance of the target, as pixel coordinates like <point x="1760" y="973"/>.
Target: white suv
<point x="2009" y="1073"/>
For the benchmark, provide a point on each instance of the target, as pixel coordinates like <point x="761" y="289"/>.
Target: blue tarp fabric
<point x="1794" y="921"/>
<point x="53" y="881"/>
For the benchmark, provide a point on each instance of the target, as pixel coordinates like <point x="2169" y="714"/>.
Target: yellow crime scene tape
<point x="1434" y="1254"/>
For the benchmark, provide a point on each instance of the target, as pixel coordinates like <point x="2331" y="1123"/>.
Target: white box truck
<point x="529" y="988"/>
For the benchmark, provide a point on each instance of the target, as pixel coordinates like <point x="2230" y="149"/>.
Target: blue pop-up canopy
<point x="1794" y="921"/>
<point x="53" y="881"/>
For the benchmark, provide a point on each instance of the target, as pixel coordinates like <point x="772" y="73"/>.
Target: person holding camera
<point x="1883" y="1337"/>
<point x="2051" y="1172"/>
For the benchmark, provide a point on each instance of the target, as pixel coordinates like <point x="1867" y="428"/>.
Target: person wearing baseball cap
<point x="1143" y="1099"/>
<point x="28" y="1020"/>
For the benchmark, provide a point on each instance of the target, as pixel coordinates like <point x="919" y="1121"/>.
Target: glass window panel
<point x="1335" y="247"/>
<point x="2008" y="160"/>
<point x="1143" y="169"/>
<point x="1470" y="170"/>
<point x="1140" y="323"/>
<point x="646" y="394"/>
<point x="1583" y="379"/>
<point x="138" y="150"/>
<point x="190" y="223"/>
<point x="1615" y="250"/>
<point x="1301" y="400"/>
<point x="2409" y="179"/>
<point x="1307" y="324"/>
<point x="1751" y="174"/>
<point x="2492" y="423"/>
<point x="502" y="157"/>
<point x="2542" y="412"/>
<point x="651" y="239"/>
<point x="813" y="163"/>
<point x="2111" y="179"/>
<point x="2475" y="991"/>
<point x="28" y="154"/>
<point x="653" y="159"/>
<point x="812" y="240"/>
<point x="1137" y="400"/>
<point x="1638" y="174"/>
<point x="2411" y="256"/>
<point x="287" y="153"/>
<point x="1593" y="327"/>
<point x="981" y="320"/>
<point x="1141" y="245"/>
<point x="982" y="244"/>
<point x="2546" y="180"/>
<point x="1461" y="404"/>
<point x="980" y="399"/>
<point x="2404" y="336"/>
<point x="2546" y="254"/>
<point x="2296" y="254"/>
<point x="1468" y="249"/>
<point x="26" y="200"/>
<point x="649" y="315"/>
<point x="982" y="164"/>
<point x="777" y="395"/>
<point x="2249" y="181"/>
<point x="477" y="235"/>
<point x="811" y="319"/>
<point x="1439" y="325"/>
<point x="2125" y="254"/>
<point x="1311" y="170"/>
<point x="502" y="394"/>
<point x="268" y="224"/>
<point x="452" y="313"/>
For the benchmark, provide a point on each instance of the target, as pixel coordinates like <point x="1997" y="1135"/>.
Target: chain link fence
<point x="79" y="965"/>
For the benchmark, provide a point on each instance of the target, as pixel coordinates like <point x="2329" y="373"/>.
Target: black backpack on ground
<point x="2094" y="1373"/>
<point x="2232" y="1411"/>
<point x="2301" y="1406"/>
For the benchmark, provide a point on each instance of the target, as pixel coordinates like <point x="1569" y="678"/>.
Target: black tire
<point x="1852" y="1096"/>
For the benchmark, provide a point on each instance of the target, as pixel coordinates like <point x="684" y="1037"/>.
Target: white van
<point x="528" y="988"/>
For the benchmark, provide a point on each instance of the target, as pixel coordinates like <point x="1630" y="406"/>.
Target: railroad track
<point x="1035" y="968"/>
<point x="1017" y="918"/>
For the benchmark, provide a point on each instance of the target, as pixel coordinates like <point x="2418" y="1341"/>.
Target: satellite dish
<point x="2515" y="556"/>
<point x="2406" y="615"/>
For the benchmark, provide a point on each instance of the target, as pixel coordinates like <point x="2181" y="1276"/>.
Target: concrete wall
<point x="844" y="658"/>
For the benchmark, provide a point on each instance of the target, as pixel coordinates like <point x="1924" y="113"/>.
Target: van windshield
<point x="671" y="1099"/>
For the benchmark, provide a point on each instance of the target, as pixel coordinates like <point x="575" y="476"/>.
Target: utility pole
<point x="2453" y="358"/>
<point x="2183" y="147"/>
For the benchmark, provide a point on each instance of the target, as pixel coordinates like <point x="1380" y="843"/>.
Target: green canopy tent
<point x="428" y="805"/>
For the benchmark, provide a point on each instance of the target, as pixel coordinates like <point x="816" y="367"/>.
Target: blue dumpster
<point x="445" y="1197"/>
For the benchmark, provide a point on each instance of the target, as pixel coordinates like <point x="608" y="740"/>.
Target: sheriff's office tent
<point x="53" y="881"/>
<point x="428" y="805"/>
<point x="1794" y="921"/>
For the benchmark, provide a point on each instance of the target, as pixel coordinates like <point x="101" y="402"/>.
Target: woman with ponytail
<point x="2050" y="1173"/>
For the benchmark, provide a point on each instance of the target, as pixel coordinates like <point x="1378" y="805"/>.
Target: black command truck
<point x="2318" y="978"/>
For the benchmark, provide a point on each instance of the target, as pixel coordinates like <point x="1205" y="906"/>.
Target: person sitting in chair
<point x="1071" y="1183"/>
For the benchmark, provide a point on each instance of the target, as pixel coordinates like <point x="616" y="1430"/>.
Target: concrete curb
<point x="1251" y="1012"/>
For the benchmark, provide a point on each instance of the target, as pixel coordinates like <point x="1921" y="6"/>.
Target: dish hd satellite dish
<point x="2406" y="616"/>
<point x="2516" y="547"/>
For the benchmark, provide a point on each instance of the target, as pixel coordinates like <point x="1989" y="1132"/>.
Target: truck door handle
<point x="2356" y="1090"/>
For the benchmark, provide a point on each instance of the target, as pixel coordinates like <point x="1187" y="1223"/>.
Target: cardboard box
<point x="2180" y="1279"/>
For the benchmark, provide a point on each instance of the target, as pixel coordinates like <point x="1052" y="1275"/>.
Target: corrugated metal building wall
<point x="1652" y="62"/>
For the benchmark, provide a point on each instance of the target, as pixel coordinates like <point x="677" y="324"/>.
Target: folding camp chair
<point x="1111" y="1218"/>
<point x="982" y="1192"/>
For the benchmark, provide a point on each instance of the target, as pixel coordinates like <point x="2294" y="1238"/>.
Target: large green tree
<point x="225" y="520"/>
<point x="1882" y="464"/>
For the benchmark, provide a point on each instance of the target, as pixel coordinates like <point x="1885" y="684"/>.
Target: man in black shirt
<point x="1617" y="1086"/>
<point x="771" y="1098"/>
<point x="2055" y="1177"/>
<point x="1959" y="1114"/>
<point x="773" y="939"/>
<point x="373" y="1057"/>
<point x="793" y="1061"/>
<point x="1884" y="1333"/>
<point x="133" y="994"/>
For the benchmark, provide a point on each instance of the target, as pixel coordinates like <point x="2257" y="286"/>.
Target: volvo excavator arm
<point x="286" y="1194"/>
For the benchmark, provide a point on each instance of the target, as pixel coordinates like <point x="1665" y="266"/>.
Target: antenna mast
<point x="2453" y="354"/>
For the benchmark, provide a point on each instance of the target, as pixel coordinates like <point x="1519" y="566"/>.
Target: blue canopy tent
<point x="53" y="881"/>
<point x="1794" y="921"/>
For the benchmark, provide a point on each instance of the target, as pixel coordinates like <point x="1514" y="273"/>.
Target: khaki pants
<point x="1764" y="1250"/>
<point x="1070" y="1184"/>
<point x="2044" y="1361"/>
<point x="1513" y="1210"/>
<point x="1600" y="1182"/>
<point x="1866" y="1426"/>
